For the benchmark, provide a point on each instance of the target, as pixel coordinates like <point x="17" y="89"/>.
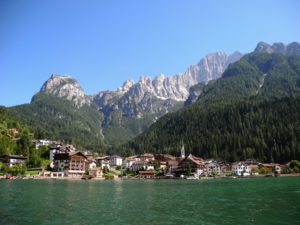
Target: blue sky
<point x="101" y="43"/>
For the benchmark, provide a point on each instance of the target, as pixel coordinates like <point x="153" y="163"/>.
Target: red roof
<point x="90" y="158"/>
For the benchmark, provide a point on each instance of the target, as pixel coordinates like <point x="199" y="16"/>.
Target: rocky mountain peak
<point x="65" y="87"/>
<point x="263" y="47"/>
<point x="293" y="49"/>
<point x="278" y="47"/>
<point x="145" y="80"/>
<point x="147" y="95"/>
<point x="126" y="86"/>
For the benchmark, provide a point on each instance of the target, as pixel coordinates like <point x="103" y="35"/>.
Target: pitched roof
<point x="15" y="156"/>
<point x="77" y="153"/>
<point x="90" y="158"/>
<point x="194" y="159"/>
<point x="102" y="157"/>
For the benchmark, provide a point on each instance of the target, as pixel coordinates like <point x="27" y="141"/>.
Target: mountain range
<point x="253" y="111"/>
<point x="132" y="108"/>
<point x="114" y="117"/>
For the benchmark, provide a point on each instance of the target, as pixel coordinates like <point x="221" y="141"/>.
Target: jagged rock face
<point x="126" y="86"/>
<point x="150" y="96"/>
<point x="146" y="96"/>
<point x="195" y="92"/>
<point x="67" y="88"/>
<point x="288" y="50"/>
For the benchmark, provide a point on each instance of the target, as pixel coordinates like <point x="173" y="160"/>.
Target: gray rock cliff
<point x="66" y="87"/>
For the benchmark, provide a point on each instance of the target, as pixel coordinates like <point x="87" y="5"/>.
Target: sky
<point x="101" y="43"/>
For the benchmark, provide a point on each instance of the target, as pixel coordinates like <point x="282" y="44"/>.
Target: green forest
<point x="251" y="112"/>
<point x="58" y="119"/>
<point x="18" y="139"/>
<point x="264" y="130"/>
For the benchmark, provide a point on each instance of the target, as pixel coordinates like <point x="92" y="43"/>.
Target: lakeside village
<point x="66" y="162"/>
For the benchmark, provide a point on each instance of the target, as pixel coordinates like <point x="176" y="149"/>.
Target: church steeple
<point x="182" y="152"/>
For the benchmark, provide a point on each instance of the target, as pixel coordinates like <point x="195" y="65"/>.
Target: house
<point x="272" y="167"/>
<point x="163" y="165"/>
<point x="226" y="169"/>
<point x="96" y="172"/>
<point x="90" y="163"/>
<point x="212" y="169"/>
<point x="148" y="174"/>
<point x="12" y="160"/>
<point x="127" y="162"/>
<point x="103" y="162"/>
<point x="39" y="143"/>
<point x="87" y="153"/>
<point x="277" y="168"/>
<point x="147" y="157"/>
<point x="60" y="162"/>
<point x="164" y="157"/>
<point x="72" y="164"/>
<point x="171" y="168"/>
<point x="56" y="148"/>
<point x="191" y="165"/>
<point x="77" y="164"/>
<point x="241" y="169"/>
<point x="141" y="165"/>
<point x="115" y="160"/>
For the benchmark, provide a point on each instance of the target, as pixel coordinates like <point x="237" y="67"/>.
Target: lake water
<point x="217" y="201"/>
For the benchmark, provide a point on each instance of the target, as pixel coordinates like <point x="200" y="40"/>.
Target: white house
<point x="103" y="162"/>
<point x="127" y="162"/>
<point x="141" y="165"/>
<point x="199" y="171"/>
<point x="12" y="160"/>
<point x="115" y="160"/>
<point x="241" y="169"/>
<point x="40" y="143"/>
<point x="91" y="163"/>
<point x="213" y="168"/>
<point x="96" y="172"/>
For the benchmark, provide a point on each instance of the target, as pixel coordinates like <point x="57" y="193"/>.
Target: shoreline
<point x="134" y="178"/>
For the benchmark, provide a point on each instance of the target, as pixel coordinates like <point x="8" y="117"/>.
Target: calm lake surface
<point x="217" y="201"/>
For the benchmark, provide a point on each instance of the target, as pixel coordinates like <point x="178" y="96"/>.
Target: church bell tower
<point x="182" y="152"/>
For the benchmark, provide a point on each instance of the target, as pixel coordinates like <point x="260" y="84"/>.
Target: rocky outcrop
<point x="146" y="96"/>
<point x="158" y="95"/>
<point x="155" y="96"/>
<point x="194" y="93"/>
<point x="287" y="50"/>
<point x="67" y="88"/>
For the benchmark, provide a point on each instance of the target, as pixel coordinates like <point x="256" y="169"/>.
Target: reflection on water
<point x="220" y="201"/>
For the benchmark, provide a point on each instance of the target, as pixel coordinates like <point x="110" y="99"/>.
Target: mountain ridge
<point x="132" y="108"/>
<point x="237" y="116"/>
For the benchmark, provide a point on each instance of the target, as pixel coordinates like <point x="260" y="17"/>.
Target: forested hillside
<point x="57" y="119"/>
<point x="15" y="137"/>
<point x="252" y="111"/>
